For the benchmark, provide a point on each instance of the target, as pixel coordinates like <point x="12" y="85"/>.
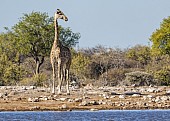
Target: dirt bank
<point x="22" y="98"/>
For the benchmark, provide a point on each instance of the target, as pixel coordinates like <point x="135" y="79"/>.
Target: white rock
<point x="142" y="90"/>
<point x="93" y="109"/>
<point x="157" y="99"/>
<point x="78" y="100"/>
<point x="70" y="100"/>
<point x="106" y="97"/>
<point x="121" y="96"/>
<point x="35" y="108"/>
<point x="104" y="102"/>
<point x="30" y="87"/>
<point x="136" y="95"/>
<point x="144" y="97"/>
<point x="168" y="91"/>
<point x="44" y="98"/>
<point x="151" y="90"/>
<point x="100" y="102"/>
<point x="64" y="106"/>
<point x="1" y="95"/>
<point x="29" y="99"/>
<point x="84" y="103"/>
<point x="150" y="96"/>
<point x="164" y="98"/>
<point x="113" y="96"/>
<point x="94" y="102"/>
<point x="33" y="99"/>
<point x="63" y="99"/>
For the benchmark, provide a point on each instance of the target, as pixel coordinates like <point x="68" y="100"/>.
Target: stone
<point x="86" y="97"/>
<point x="1" y="95"/>
<point x="145" y="104"/>
<point x="70" y="100"/>
<point x="121" y="104"/>
<point x="100" y="102"/>
<point x="64" y="106"/>
<point x="93" y="109"/>
<point x="151" y="90"/>
<point x="110" y="103"/>
<point x="23" y="88"/>
<point x="113" y="96"/>
<point x="144" y="97"/>
<point x="149" y="96"/>
<point x="33" y="99"/>
<point x="43" y="98"/>
<point x="106" y="97"/>
<point x="142" y="90"/>
<point x="121" y="97"/>
<point x="136" y="95"/>
<point x="78" y="100"/>
<point x="94" y="102"/>
<point x="35" y="108"/>
<point x="5" y="94"/>
<point x="16" y="99"/>
<point x="105" y="94"/>
<point x="84" y="103"/>
<point x="104" y="102"/>
<point x="32" y="87"/>
<point x="12" y="93"/>
<point x="127" y="103"/>
<point x="164" y="98"/>
<point x="157" y="99"/>
<point x="168" y="92"/>
<point x="63" y="99"/>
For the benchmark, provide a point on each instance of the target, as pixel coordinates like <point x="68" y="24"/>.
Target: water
<point x="112" y="115"/>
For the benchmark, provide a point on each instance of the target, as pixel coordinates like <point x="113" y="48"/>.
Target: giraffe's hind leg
<point x="67" y="71"/>
<point x="67" y="79"/>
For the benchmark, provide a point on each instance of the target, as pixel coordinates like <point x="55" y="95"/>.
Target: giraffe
<point x="60" y="57"/>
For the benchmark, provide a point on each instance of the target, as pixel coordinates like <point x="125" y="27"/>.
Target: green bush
<point x="10" y="73"/>
<point x="163" y="76"/>
<point x="36" y="80"/>
<point x="139" y="78"/>
<point x="114" y="76"/>
<point x="13" y="74"/>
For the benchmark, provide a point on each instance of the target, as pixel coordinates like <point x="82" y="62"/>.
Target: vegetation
<point x="26" y="46"/>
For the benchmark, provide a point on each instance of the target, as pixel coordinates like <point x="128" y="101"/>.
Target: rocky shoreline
<point x="31" y="98"/>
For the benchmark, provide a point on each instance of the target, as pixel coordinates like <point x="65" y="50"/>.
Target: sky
<point x="110" y="23"/>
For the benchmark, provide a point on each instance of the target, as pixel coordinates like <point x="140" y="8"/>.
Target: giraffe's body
<point x="60" y="57"/>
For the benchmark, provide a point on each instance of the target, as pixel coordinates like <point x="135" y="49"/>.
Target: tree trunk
<point x="39" y="61"/>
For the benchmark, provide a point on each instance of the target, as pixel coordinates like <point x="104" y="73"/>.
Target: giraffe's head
<point x="60" y="15"/>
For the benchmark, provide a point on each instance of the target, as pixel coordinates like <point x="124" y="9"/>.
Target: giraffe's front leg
<point x="59" y="77"/>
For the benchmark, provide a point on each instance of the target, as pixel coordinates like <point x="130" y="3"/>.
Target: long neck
<point x="56" y="39"/>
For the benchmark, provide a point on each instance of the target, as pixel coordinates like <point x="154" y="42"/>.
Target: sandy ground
<point x="22" y="98"/>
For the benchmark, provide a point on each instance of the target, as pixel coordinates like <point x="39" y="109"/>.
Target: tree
<point x="67" y="37"/>
<point x="35" y="35"/>
<point x="161" y="38"/>
<point x="140" y="54"/>
<point x="10" y="69"/>
<point x="79" y="63"/>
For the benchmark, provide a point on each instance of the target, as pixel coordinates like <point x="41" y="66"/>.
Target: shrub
<point x="36" y="80"/>
<point x="163" y="76"/>
<point x="114" y="76"/>
<point x="139" y="78"/>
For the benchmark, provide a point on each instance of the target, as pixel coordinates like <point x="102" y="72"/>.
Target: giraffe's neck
<point x="56" y="39"/>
